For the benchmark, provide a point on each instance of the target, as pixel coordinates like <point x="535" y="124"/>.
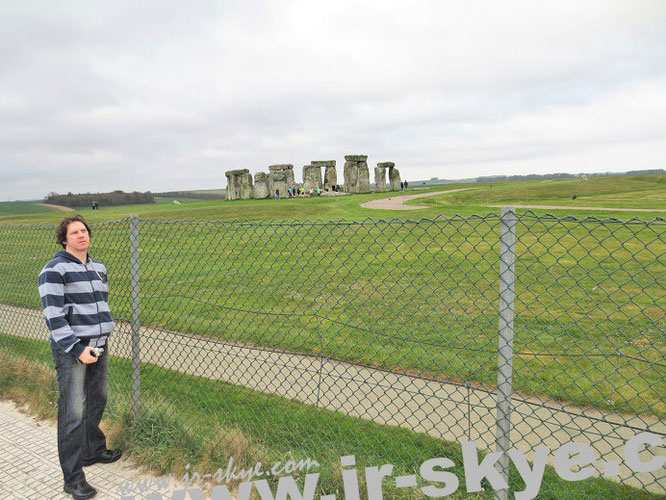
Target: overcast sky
<point x="166" y="95"/>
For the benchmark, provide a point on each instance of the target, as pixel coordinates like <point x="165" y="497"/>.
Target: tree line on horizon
<point x="111" y="199"/>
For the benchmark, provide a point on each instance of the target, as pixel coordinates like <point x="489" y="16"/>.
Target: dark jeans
<point x="82" y="399"/>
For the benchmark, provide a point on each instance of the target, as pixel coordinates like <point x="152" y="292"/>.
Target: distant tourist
<point x="402" y="186"/>
<point x="405" y="184"/>
<point x="318" y="191"/>
<point x="277" y="194"/>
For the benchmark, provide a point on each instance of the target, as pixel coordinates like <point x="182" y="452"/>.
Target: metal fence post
<point x="134" y="305"/>
<point x="505" y="348"/>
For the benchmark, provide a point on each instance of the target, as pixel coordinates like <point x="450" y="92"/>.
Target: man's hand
<point x="86" y="357"/>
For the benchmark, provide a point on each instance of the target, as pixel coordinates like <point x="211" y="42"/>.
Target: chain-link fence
<point x="387" y="340"/>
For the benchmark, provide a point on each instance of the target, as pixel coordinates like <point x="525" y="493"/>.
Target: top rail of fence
<point x="494" y="216"/>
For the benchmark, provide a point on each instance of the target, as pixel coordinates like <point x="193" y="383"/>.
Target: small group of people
<point x="403" y="185"/>
<point x="293" y="192"/>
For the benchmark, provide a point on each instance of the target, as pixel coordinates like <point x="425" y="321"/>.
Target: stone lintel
<point x="323" y="163"/>
<point x="386" y="164"/>
<point x="239" y="171"/>
<point x="356" y="157"/>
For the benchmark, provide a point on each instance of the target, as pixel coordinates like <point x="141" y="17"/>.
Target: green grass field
<point x="418" y="298"/>
<point x="643" y="192"/>
<point x="612" y="191"/>
<point x="24" y="207"/>
<point x="187" y="419"/>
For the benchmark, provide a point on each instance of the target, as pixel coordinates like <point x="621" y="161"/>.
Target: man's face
<point x="77" y="237"/>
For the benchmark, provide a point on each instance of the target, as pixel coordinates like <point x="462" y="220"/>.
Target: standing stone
<point x="356" y="173"/>
<point x="245" y="183"/>
<point x="330" y="173"/>
<point x="351" y="176"/>
<point x="394" y="179"/>
<point x="363" y="177"/>
<point x="280" y="177"/>
<point x="239" y="184"/>
<point x="311" y="177"/>
<point x="380" y="178"/>
<point x="260" y="188"/>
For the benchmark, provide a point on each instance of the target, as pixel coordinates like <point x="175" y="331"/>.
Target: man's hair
<point x="61" y="230"/>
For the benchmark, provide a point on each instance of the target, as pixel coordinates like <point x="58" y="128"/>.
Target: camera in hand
<point x="96" y="351"/>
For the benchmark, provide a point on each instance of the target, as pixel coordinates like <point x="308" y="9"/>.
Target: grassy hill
<point x="402" y="297"/>
<point x="24" y="208"/>
<point x="578" y="282"/>
<point x="641" y="192"/>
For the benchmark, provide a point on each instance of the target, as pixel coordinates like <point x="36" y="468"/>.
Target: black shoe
<point x="107" y="457"/>
<point x="81" y="491"/>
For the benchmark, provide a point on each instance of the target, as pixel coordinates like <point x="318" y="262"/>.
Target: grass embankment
<point x="20" y="208"/>
<point x="403" y="297"/>
<point x="633" y="191"/>
<point x="188" y="419"/>
<point x="648" y="191"/>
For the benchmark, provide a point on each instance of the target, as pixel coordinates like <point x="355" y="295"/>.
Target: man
<point x="74" y="293"/>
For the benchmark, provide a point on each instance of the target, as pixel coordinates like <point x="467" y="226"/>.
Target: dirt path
<point x="57" y="207"/>
<point x="396" y="202"/>
<point x="442" y="409"/>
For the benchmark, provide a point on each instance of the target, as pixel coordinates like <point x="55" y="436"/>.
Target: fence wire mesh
<point x="379" y="339"/>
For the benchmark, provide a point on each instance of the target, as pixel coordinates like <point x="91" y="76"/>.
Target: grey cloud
<point x="130" y="94"/>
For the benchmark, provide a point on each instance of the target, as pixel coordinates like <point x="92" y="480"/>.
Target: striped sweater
<point x="75" y="302"/>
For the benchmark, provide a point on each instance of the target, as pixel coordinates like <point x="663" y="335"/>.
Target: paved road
<point x="29" y="467"/>
<point x="441" y="409"/>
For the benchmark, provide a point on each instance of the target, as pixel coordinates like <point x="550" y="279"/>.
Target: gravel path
<point x="396" y="202"/>
<point x="442" y="409"/>
<point x="57" y="207"/>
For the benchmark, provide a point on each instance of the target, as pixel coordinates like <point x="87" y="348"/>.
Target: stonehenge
<point x="239" y="184"/>
<point x="330" y="173"/>
<point x="280" y="177"/>
<point x="312" y="177"/>
<point x="260" y="189"/>
<point x="394" y="176"/>
<point x="380" y="178"/>
<point x="356" y="174"/>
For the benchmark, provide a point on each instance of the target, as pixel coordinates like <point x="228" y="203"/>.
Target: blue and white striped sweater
<point x="75" y="302"/>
